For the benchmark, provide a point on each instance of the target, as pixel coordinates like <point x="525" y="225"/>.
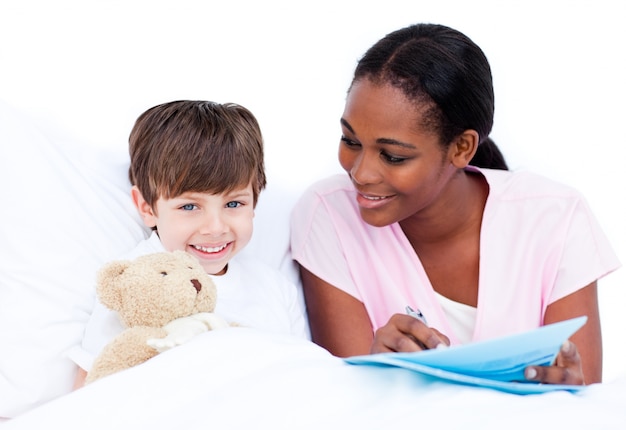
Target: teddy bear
<point x="163" y="299"/>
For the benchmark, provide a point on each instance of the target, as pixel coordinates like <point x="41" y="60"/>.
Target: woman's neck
<point x="457" y="213"/>
<point x="447" y="242"/>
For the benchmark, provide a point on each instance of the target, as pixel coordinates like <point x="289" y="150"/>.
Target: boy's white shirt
<point x="250" y="294"/>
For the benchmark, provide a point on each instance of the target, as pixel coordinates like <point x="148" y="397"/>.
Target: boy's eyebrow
<point x="381" y="140"/>
<point x="230" y="194"/>
<point x="239" y="193"/>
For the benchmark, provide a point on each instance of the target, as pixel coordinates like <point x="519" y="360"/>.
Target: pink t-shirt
<point x="539" y="243"/>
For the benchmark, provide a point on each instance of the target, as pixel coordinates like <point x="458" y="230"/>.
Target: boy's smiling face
<point x="212" y="227"/>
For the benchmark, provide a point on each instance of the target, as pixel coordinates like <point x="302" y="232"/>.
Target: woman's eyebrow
<point x="387" y="141"/>
<point x="347" y="125"/>
<point x="382" y="140"/>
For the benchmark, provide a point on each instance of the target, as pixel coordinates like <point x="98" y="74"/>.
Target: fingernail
<point x="530" y="373"/>
<point x="566" y="346"/>
<point x="442" y="346"/>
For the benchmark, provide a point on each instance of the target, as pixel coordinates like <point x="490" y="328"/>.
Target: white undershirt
<point x="462" y="318"/>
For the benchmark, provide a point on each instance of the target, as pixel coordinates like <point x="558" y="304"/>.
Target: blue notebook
<point x="496" y="363"/>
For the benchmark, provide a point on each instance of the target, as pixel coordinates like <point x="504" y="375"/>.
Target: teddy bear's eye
<point x="164" y="273"/>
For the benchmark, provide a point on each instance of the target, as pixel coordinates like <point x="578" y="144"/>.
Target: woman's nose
<point x="365" y="169"/>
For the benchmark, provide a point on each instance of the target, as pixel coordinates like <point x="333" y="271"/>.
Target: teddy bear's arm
<point x="126" y="350"/>
<point x="183" y="329"/>
<point x="212" y="320"/>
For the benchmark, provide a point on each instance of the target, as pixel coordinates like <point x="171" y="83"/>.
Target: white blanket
<point x="240" y="378"/>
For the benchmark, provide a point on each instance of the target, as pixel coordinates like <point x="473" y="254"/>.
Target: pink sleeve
<point x="587" y="254"/>
<point x="375" y="265"/>
<point x="315" y="243"/>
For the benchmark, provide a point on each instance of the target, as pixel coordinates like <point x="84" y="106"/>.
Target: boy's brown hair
<point x="195" y="146"/>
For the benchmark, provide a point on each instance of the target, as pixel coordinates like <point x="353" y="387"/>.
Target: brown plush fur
<point x="148" y="293"/>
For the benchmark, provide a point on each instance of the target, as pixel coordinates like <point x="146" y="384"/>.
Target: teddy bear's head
<point x="154" y="289"/>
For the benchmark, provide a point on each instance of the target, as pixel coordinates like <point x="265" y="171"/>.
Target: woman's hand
<point x="567" y="368"/>
<point x="404" y="333"/>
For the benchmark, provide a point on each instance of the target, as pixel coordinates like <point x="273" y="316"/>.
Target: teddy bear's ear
<point x="187" y="258"/>
<point x="108" y="292"/>
<point x="183" y="255"/>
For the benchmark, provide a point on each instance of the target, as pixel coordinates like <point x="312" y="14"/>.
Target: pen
<point x="416" y="314"/>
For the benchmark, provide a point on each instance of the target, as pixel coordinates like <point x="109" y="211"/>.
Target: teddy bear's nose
<point x="196" y="284"/>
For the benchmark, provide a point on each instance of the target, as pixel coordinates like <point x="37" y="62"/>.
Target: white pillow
<point x="65" y="211"/>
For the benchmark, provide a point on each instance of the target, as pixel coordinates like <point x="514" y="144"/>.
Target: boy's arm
<point x="80" y="379"/>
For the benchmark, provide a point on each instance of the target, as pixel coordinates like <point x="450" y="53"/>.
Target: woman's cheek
<point x="346" y="158"/>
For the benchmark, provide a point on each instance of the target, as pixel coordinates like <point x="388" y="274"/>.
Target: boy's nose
<point x="213" y="225"/>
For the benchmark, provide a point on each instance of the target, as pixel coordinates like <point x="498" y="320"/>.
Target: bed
<point x="66" y="211"/>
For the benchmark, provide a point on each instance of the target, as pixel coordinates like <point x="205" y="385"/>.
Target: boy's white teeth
<point x="374" y="197"/>
<point x="209" y="249"/>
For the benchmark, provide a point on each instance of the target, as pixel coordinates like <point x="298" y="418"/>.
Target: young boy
<point x="197" y="170"/>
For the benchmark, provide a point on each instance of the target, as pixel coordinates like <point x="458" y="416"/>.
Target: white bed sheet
<point x="240" y="378"/>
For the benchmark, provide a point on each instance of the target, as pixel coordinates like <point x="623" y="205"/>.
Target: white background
<point x="91" y="67"/>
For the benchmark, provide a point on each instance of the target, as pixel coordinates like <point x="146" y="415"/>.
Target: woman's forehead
<point x="381" y="106"/>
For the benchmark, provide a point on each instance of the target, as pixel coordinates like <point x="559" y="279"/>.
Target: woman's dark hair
<point x="488" y="155"/>
<point x="441" y="68"/>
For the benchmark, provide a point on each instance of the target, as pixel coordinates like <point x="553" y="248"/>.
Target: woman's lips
<point x="369" y="201"/>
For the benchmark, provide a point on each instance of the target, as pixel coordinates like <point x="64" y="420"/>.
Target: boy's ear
<point x="145" y="210"/>
<point x="463" y="148"/>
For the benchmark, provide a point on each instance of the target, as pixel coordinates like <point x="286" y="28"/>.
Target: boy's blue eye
<point x="188" y="207"/>
<point x="233" y="204"/>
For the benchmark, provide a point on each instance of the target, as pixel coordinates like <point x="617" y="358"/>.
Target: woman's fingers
<point x="404" y="333"/>
<point x="567" y="368"/>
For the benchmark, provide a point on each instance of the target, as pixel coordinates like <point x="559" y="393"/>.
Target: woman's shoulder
<point x="524" y="184"/>
<point x="338" y="183"/>
<point x="333" y="191"/>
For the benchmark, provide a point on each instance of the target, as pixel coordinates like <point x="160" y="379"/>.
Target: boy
<point x="197" y="170"/>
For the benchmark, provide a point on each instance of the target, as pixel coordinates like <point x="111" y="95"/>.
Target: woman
<point x="480" y="252"/>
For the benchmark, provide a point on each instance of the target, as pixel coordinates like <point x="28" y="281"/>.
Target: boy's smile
<point x="210" y="250"/>
<point x="212" y="254"/>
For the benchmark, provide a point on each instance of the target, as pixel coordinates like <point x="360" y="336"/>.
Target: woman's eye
<point x="233" y="204"/>
<point x="348" y="142"/>
<point x="188" y="207"/>
<point x="392" y="159"/>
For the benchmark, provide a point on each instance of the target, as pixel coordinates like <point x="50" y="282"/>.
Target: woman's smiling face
<point x="398" y="168"/>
